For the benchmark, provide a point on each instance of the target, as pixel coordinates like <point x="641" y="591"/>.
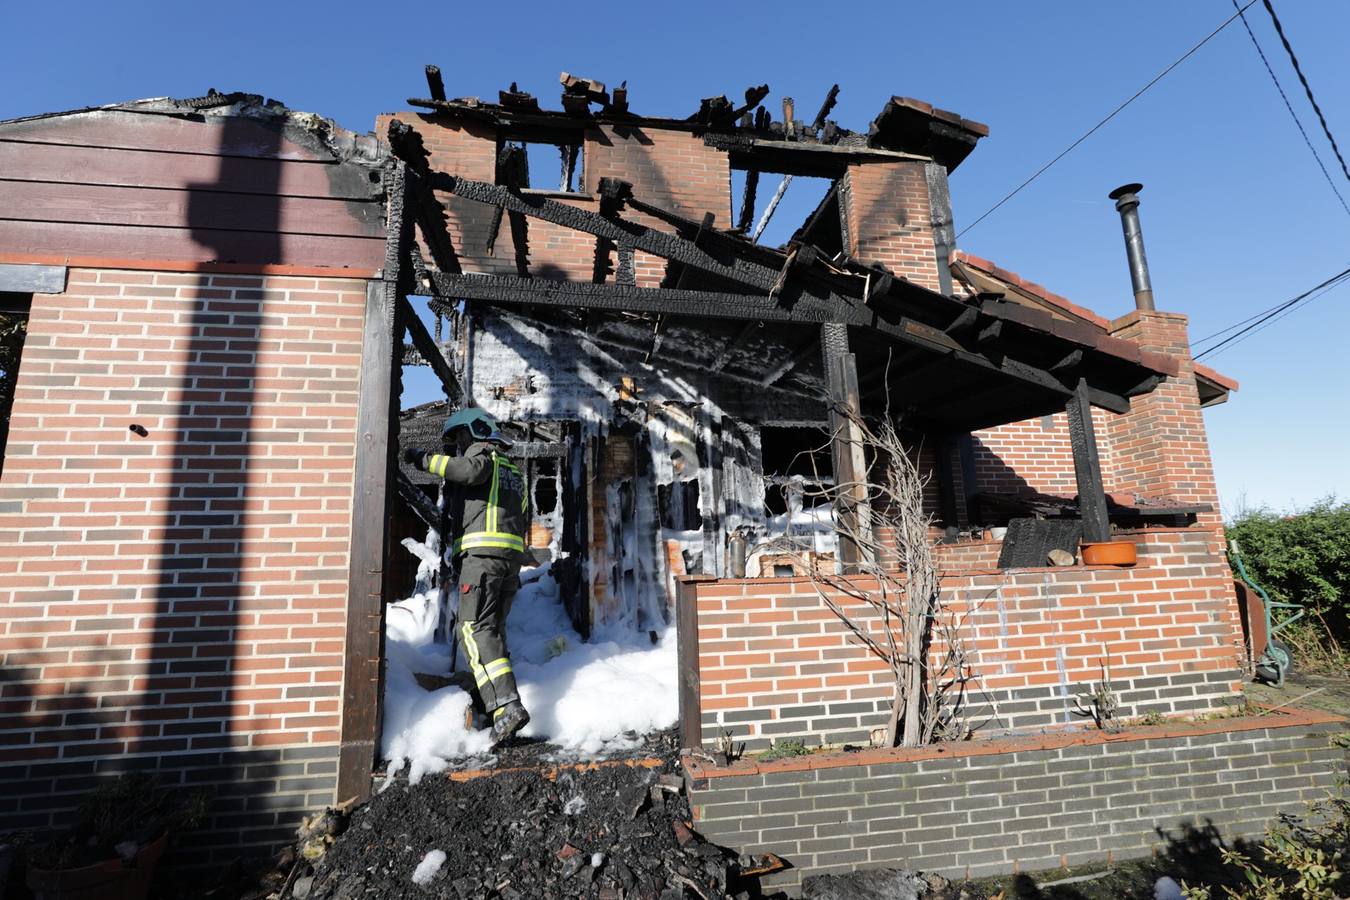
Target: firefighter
<point x="490" y="511"/>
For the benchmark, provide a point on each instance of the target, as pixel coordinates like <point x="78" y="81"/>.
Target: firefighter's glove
<point x="414" y="458"/>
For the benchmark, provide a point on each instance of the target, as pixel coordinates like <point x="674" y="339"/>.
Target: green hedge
<point x="1303" y="558"/>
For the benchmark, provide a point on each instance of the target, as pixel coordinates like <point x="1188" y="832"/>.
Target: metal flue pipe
<point x="1127" y="204"/>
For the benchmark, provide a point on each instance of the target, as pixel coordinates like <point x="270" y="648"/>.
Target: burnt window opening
<point x="795" y="456"/>
<point x="542" y="166"/>
<point x="752" y="196"/>
<point x="544" y="495"/>
<point x="13" y="329"/>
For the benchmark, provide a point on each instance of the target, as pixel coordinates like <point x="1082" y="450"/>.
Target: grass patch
<point x="786" y="750"/>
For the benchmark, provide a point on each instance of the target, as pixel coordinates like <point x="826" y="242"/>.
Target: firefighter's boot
<point x="508" y="720"/>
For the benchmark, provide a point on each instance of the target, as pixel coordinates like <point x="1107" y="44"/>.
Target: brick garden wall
<point x="775" y="663"/>
<point x="177" y="601"/>
<point x="987" y="808"/>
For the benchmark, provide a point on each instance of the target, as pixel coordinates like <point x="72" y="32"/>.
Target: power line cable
<point x="1289" y="106"/>
<point x="1307" y="88"/>
<point x="1087" y="134"/>
<point x="1255" y="330"/>
<point x="1254" y="316"/>
<point x="1329" y="283"/>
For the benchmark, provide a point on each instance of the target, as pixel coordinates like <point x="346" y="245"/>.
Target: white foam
<point x="428" y="868"/>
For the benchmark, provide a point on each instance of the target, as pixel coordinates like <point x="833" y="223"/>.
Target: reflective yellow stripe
<point x="492" y="494"/>
<point x="480" y="675"/>
<point x="499" y="667"/>
<point x="490" y="540"/>
<point x="437" y="463"/>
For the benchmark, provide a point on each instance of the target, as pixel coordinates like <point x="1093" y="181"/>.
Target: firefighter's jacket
<point x="491" y="505"/>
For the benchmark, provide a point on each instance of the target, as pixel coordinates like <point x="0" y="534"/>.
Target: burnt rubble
<point x="614" y="830"/>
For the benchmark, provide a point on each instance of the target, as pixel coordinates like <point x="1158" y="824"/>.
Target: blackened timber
<point x="624" y="298"/>
<point x="649" y="240"/>
<point x="718" y="305"/>
<point x="1087" y="466"/>
<point x="748" y="200"/>
<point x="418" y="501"/>
<point x="831" y="99"/>
<point x="430" y="351"/>
<point x="435" y="83"/>
<point x="841" y="380"/>
<point x="406" y="142"/>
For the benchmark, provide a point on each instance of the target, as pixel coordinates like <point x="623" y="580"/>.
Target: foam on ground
<point x="588" y="698"/>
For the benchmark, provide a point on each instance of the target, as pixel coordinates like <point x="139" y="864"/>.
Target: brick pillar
<point x="1159" y="447"/>
<point x="889" y="216"/>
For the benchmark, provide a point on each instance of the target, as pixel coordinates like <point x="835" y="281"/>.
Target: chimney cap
<point x="1124" y="189"/>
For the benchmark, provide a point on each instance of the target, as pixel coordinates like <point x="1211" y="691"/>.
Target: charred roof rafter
<point x="718" y="274"/>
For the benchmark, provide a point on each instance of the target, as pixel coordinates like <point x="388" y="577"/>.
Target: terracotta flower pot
<point x="1110" y="553"/>
<point x="110" y="879"/>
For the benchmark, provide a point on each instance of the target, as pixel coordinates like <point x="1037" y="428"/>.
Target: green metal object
<point x="1276" y="659"/>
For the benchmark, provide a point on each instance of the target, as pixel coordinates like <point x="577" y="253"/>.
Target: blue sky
<point x="1236" y="215"/>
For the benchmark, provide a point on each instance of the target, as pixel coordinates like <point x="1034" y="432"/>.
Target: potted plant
<point x="121" y="831"/>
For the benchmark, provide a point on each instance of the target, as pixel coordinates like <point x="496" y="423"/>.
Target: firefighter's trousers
<point x="487" y="585"/>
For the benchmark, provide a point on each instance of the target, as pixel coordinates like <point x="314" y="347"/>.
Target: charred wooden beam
<point x="831" y="99"/>
<point x="1144" y="387"/>
<point x="850" y="472"/>
<point x="879" y="284"/>
<point x="428" y="349"/>
<point x="428" y="212"/>
<point x="1087" y="466"/>
<point x="1070" y="360"/>
<point x="435" y="84"/>
<point x="718" y="305"/>
<point x="964" y="321"/>
<point x="418" y="501"/>
<point x="649" y="240"/>
<point x="618" y="104"/>
<point x="748" y="200"/>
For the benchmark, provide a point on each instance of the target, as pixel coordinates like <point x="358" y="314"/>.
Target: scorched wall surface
<point x="176" y="601"/>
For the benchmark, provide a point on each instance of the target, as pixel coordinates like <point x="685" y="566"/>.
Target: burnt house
<point x="200" y="507"/>
<point x="622" y="301"/>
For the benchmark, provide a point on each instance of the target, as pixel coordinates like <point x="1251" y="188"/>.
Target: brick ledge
<point x="1272" y="718"/>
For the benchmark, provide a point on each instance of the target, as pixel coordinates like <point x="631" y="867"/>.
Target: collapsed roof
<point x="950" y="363"/>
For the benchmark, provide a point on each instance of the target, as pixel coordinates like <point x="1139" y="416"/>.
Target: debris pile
<point x="615" y="830"/>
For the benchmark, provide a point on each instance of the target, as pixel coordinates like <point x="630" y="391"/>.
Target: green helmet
<point x="481" y="425"/>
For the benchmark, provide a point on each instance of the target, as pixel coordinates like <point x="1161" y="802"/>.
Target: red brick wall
<point x="182" y="591"/>
<point x="776" y="662"/>
<point x="890" y="219"/>
<point x="1160" y="447"/>
<point x="1034" y="456"/>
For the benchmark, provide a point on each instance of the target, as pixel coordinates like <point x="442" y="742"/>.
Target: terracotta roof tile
<point x="1031" y="287"/>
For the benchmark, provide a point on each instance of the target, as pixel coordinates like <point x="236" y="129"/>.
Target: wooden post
<point x="686" y="637"/>
<point x="363" y="674"/>
<point x="1087" y="467"/>
<point x="842" y="397"/>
